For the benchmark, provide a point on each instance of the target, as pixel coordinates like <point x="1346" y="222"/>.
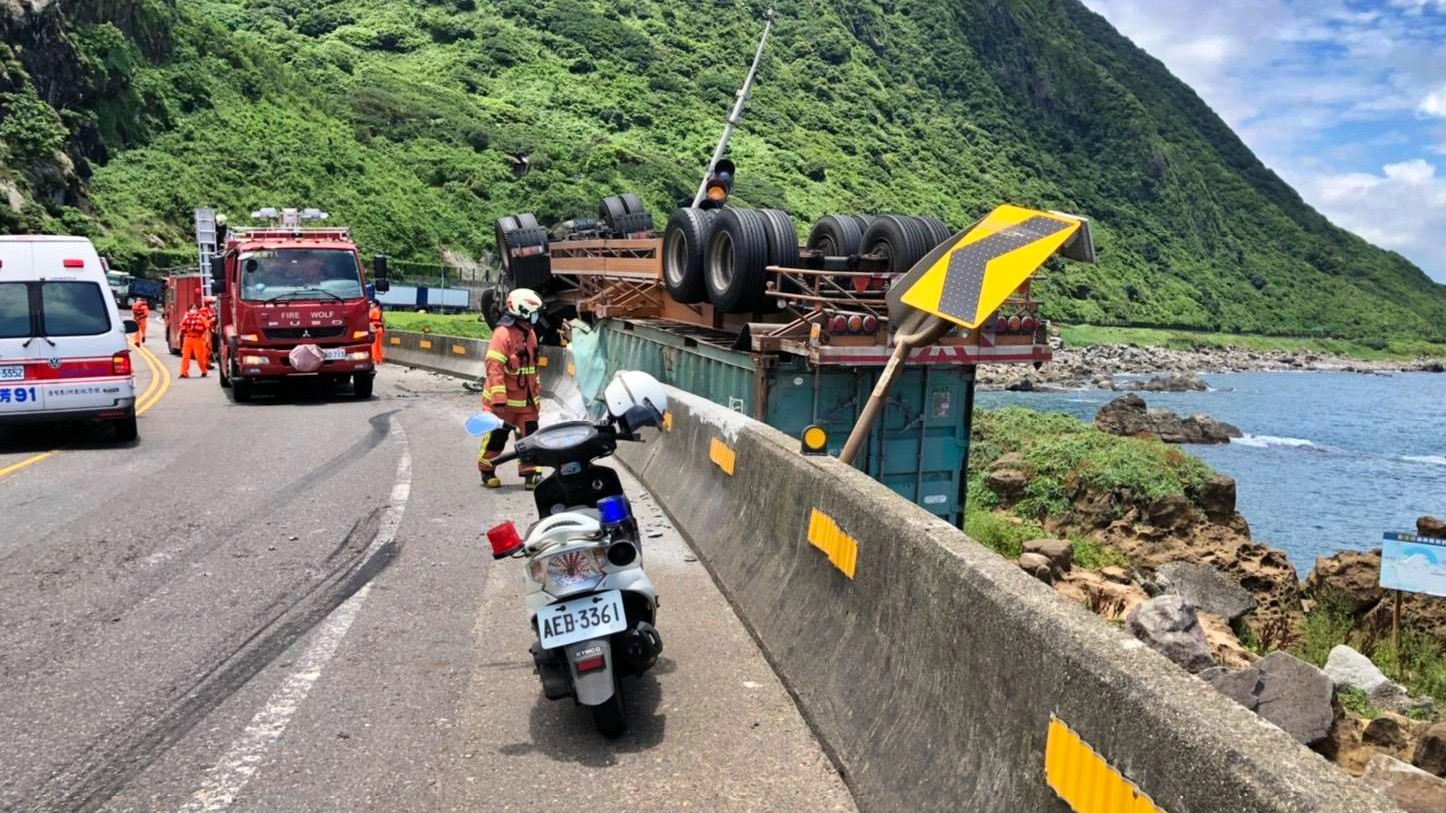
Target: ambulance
<point x="63" y="350"/>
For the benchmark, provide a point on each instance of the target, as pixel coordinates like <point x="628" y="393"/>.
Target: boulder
<point x="1008" y="484"/>
<point x="1412" y="789"/>
<point x="1224" y="645"/>
<point x="1206" y="588"/>
<point x="1038" y="566"/>
<point x="1217" y="498"/>
<point x="1177" y="382"/>
<point x="1432" y="527"/>
<point x="1059" y="552"/>
<point x="1169" y="625"/>
<point x="1389" y="731"/>
<point x="1109" y="600"/>
<point x="1295" y="696"/>
<point x="1349" y="578"/>
<point x="1352" y="670"/>
<point x="1430" y="753"/>
<point x="1125" y="416"/>
<point x="1128" y="416"/>
<point x="1242" y="686"/>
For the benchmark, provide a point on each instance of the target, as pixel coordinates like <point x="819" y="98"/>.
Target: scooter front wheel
<point x="608" y="717"/>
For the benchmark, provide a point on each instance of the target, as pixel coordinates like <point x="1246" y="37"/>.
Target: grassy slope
<point x="402" y="117"/>
<point x="465" y="325"/>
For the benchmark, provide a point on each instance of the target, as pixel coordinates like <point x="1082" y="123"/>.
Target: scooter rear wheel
<point x="608" y="717"/>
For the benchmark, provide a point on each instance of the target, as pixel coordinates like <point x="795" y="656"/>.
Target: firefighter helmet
<point x="524" y="304"/>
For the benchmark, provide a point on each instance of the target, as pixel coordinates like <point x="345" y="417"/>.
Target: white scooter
<point x="588" y="599"/>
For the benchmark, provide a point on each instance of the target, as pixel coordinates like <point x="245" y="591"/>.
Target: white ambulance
<point x="63" y="349"/>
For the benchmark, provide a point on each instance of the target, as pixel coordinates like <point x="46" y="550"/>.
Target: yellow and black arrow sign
<point x="967" y="278"/>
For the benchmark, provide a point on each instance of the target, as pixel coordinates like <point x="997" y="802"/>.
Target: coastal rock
<point x="1169" y="625"/>
<point x="1430" y="753"/>
<point x="1128" y="416"/>
<point x="1432" y="527"/>
<point x="1178" y="382"/>
<point x="1350" y="579"/>
<point x="1350" y="669"/>
<point x="1242" y="686"/>
<point x="1391" y="732"/>
<point x="1008" y="484"/>
<point x="1217" y="498"/>
<point x="1224" y="645"/>
<point x="1037" y="566"/>
<point x="1343" y="745"/>
<point x="1206" y="588"/>
<point x="1109" y="600"/>
<point x="1295" y="696"/>
<point x="1058" y="552"/>
<point x="1412" y="789"/>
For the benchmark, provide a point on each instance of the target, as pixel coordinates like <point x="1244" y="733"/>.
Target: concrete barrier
<point x="464" y="358"/>
<point x="938" y="675"/>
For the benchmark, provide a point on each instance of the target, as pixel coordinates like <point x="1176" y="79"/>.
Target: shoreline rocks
<point x="1129" y="416"/>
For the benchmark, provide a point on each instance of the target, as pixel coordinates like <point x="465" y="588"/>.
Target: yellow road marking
<point x="160" y="382"/>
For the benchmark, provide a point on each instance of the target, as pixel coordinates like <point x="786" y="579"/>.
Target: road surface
<point x="286" y="606"/>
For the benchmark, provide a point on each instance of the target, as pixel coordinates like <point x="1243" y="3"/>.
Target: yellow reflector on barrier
<point x="724" y="457"/>
<point x="827" y="536"/>
<point x="396" y="340"/>
<point x="1084" y="780"/>
<point x="459" y="350"/>
<point x="542" y="361"/>
<point x="425" y="344"/>
<point x="667" y="421"/>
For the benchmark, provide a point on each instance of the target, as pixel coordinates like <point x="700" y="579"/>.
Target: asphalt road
<point x="286" y="606"/>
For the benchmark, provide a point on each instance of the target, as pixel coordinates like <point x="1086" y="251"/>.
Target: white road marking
<point x="225" y="780"/>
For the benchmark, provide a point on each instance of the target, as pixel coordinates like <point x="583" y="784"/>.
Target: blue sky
<point x="1345" y="100"/>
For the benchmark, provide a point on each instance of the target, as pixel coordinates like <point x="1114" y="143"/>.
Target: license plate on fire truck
<point x="580" y="619"/>
<point x="334" y="353"/>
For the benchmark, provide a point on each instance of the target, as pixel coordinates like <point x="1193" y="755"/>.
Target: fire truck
<point x="291" y="302"/>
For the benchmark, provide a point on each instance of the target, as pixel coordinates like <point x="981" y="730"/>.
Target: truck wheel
<point x="526" y="220"/>
<point x="864" y="221"/>
<point x="937" y="230"/>
<point x="125" y="428"/>
<point x="782" y="238"/>
<point x="609" y="208"/>
<point x="241" y="390"/>
<point x="684" y="243"/>
<point x="532" y="270"/>
<point x="899" y="240"/>
<point x="633" y="204"/>
<point x="490" y="303"/>
<point x="222" y="376"/>
<point x="737" y="256"/>
<point x="836" y="236"/>
<point x="631" y="223"/>
<point x="505" y="225"/>
<point x="361" y="385"/>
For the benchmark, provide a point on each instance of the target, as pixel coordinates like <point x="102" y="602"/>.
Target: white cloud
<point x="1435" y="103"/>
<point x="1403" y="208"/>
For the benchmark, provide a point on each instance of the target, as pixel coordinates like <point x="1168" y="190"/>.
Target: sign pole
<point x="1396" y="627"/>
<point x="923" y="329"/>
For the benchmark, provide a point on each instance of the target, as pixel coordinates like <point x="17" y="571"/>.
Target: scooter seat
<point x="562" y="527"/>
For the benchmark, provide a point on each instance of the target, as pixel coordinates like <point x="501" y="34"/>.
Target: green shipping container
<point x="918" y="448"/>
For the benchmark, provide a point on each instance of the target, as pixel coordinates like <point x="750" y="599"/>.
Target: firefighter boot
<point x="491" y="481"/>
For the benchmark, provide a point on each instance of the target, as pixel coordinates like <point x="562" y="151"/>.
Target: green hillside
<point x="404" y="119"/>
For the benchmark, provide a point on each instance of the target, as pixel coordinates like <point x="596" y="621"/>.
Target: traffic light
<point x="718" y="185"/>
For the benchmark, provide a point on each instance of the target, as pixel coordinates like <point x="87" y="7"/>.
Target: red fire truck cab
<point x="280" y="288"/>
<point x="181" y="291"/>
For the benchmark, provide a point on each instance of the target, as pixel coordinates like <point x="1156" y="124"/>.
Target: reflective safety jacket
<point x="195" y="324"/>
<point x="512" y="380"/>
<point x="209" y="315"/>
<point x="140" y="310"/>
<point x="374" y="316"/>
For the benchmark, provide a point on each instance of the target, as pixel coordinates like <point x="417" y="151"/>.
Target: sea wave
<point x="1438" y="459"/>
<point x="1265" y="441"/>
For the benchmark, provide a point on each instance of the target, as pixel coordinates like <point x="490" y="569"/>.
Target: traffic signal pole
<point x="737" y="113"/>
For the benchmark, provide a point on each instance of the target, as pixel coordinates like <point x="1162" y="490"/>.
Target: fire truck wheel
<point x="899" y="239"/>
<point x="937" y="230"/>
<point x="782" y="238"/>
<point x="241" y="390"/>
<point x="633" y="204"/>
<point x="737" y="257"/>
<point x="836" y="236"/>
<point x="526" y="220"/>
<point x="684" y="243"/>
<point x="505" y="225"/>
<point x="609" y="208"/>
<point x="361" y="385"/>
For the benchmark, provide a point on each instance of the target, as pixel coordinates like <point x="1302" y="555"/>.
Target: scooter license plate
<point x="592" y="616"/>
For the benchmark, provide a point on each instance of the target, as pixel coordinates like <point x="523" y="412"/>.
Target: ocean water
<point x="1330" y="461"/>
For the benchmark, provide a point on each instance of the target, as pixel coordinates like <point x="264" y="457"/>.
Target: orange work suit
<point x="378" y="330"/>
<point x="140" y="311"/>
<point x="206" y="341"/>
<point x="193" y="342"/>
<point x="513" y="391"/>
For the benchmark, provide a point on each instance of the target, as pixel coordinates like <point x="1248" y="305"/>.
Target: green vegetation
<point x="1006" y="534"/>
<point x="465" y="325"/>
<point x="1357" y="701"/>
<point x="405" y="119"/>
<point x="1373" y="349"/>
<point x="1419" y="664"/>
<point x="1060" y="454"/>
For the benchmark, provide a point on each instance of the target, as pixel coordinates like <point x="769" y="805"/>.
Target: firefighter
<point x="513" y="391"/>
<point x="140" y="311"/>
<point x="193" y="337"/>
<point x="374" y="315"/>
<point x="209" y="314"/>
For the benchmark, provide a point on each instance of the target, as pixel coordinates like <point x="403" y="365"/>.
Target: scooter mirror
<point x="482" y="423"/>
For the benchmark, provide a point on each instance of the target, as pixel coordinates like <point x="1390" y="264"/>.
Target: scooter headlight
<point x="570" y="571"/>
